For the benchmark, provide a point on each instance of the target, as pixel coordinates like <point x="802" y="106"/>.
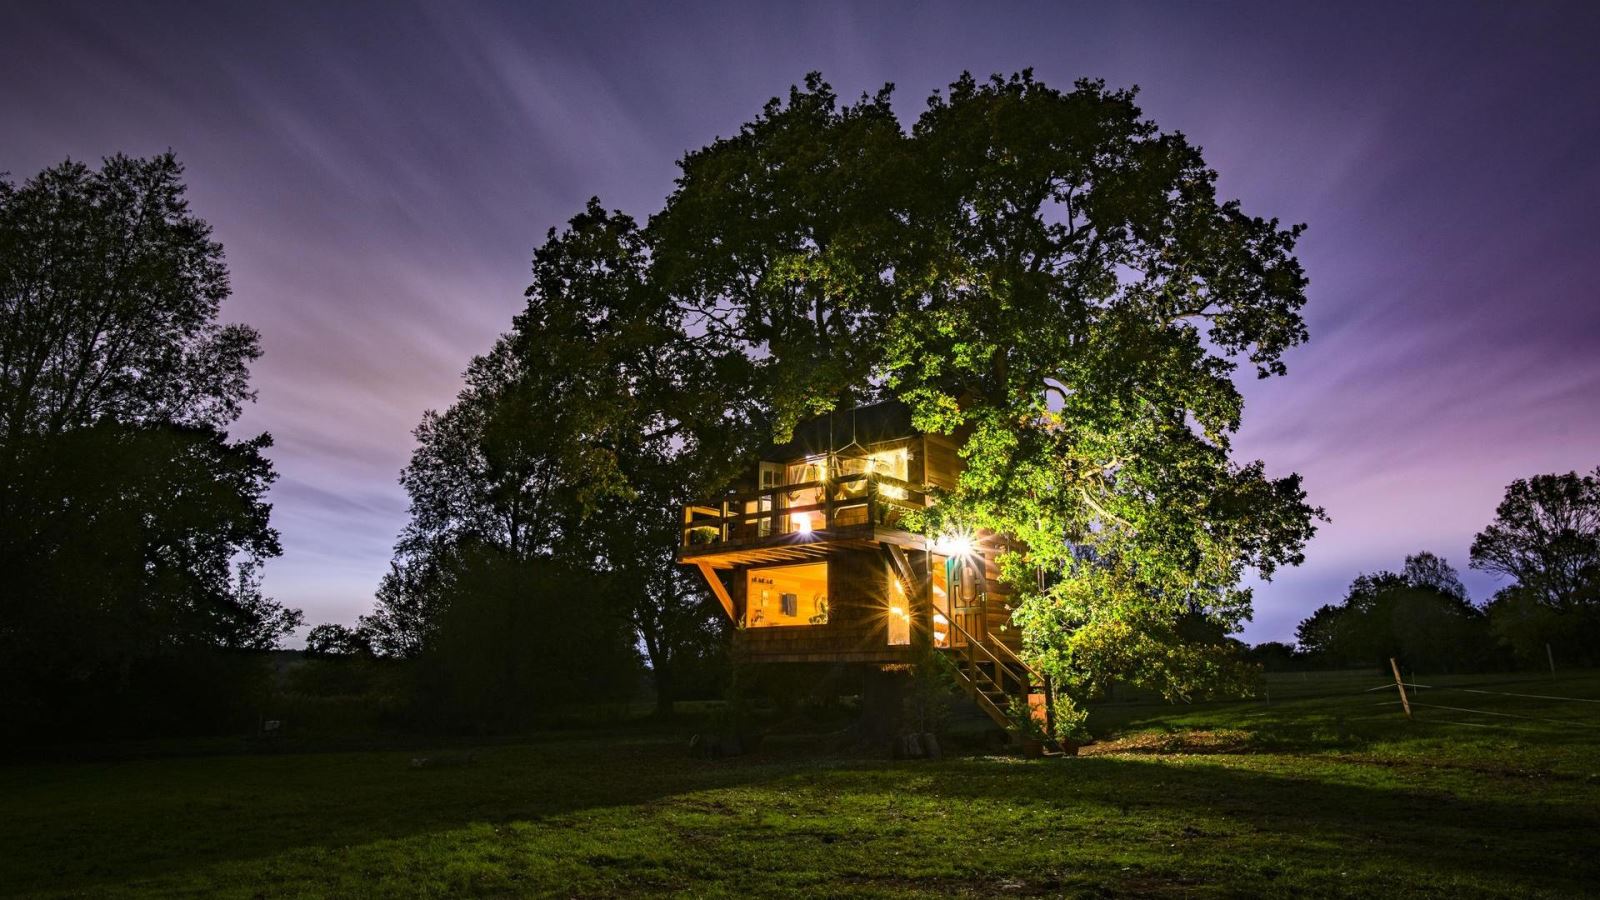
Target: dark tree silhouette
<point x="109" y="297"/>
<point x="124" y="507"/>
<point x="566" y="448"/>
<point x="1420" y="616"/>
<point x="332" y="639"/>
<point x="1546" y="535"/>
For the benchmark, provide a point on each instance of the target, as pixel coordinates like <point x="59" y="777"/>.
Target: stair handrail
<point x="973" y="641"/>
<point x="1012" y="654"/>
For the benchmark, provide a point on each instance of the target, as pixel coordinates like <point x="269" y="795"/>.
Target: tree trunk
<point x="666" y="689"/>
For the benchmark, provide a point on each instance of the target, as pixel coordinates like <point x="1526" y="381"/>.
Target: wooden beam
<point x="897" y="558"/>
<point x="718" y="588"/>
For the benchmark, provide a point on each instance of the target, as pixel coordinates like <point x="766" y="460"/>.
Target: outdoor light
<point x="953" y="545"/>
<point x="804" y="525"/>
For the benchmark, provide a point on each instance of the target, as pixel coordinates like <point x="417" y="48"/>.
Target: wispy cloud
<point x="380" y="173"/>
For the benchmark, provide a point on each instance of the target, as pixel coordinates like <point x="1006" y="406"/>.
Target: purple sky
<point x="380" y="175"/>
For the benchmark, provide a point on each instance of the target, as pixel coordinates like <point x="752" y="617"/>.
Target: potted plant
<point x="1030" y="729"/>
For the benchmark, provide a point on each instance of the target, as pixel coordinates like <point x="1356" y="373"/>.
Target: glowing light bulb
<point x="804" y="525"/>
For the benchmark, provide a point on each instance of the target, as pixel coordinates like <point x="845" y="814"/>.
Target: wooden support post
<point x="1404" y="702"/>
<point x="1050" y="707"/>
<point x="718" y="588"/>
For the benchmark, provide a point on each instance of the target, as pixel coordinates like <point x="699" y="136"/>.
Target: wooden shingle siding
<point x="941" y="463"/>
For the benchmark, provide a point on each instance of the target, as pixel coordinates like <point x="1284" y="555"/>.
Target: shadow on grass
<point x="78" y="825"/>
<point x="1236" y="815"/>
<point x="76" y="828"/>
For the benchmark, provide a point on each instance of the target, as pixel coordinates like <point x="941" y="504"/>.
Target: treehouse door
<point x="967" y="598"/>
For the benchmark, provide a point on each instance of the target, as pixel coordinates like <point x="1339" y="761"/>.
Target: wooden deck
<point x="785" y="548"/>
<point x="793" y="514"/>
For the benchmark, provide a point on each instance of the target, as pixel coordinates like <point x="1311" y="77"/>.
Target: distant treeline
<point x="1545" y="538"/>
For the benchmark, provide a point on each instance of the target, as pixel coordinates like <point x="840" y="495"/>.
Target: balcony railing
<point x="867" y="498"/>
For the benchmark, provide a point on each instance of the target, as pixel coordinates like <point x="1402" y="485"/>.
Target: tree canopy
<point x="1050" y="276"/>
<point x="109" y="296"/>
<point x="1045" y="274"/>
<point x="564" y="453"/>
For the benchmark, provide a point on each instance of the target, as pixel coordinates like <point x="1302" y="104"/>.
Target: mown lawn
<point x="1321" y="792"/>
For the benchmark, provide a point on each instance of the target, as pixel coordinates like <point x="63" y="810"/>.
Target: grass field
<point x="1323" y="791"/>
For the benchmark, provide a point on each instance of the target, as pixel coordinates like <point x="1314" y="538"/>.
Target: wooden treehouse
<point x="808" y="554"/>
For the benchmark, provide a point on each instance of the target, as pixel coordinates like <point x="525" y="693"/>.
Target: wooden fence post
<point x="1395" y="667"/>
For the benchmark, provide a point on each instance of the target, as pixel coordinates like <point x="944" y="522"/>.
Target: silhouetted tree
<point x="1546" y="535"/>
<point x="332" y="639"/>
<point x="1275" y="656"/>
<point x="683" y="632"/>
<point x="518" y="638"/>
<point x="132" y="529"/>
<point x="109" y="297"/>
<point x="566" y="446"/>
<point x="1420" y="616"/>
<point x="1534" y="632"/>
<point x="1425" y="570"/>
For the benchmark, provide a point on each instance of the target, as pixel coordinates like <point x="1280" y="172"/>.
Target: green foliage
<point x="776" y="244"/>
<point x="1051" y="278"/>
<point x="1546" y="535"/>
<point x="1045" y="275"/>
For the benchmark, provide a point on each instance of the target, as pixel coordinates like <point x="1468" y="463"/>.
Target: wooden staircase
<point x="990" y="672"/>
<point x="993" y="675"/>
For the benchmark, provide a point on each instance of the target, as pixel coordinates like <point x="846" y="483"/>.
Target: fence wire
<point x="1393" y="686"/>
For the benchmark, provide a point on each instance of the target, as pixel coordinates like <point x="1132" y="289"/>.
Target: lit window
<point x="899" y="614"/>
<point x="787" y="595"/>
<point x="894" y="463"/>
<point x="941" y="601"/>
<point x="809" y="471"/>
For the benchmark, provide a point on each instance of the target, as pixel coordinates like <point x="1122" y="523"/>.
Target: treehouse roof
<point x="874" y="423"/>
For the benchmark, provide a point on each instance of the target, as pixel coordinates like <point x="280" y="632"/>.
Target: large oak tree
<point x="1052" y="277"/>
<point x="1045" y="274"/>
